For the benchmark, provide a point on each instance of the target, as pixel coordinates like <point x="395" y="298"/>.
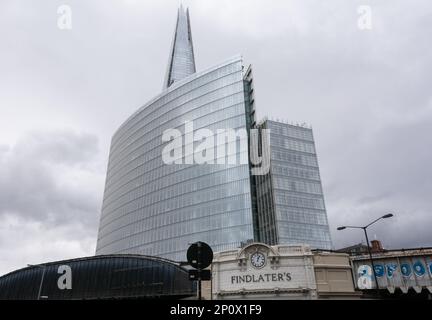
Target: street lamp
<point x="389" y="215"/>
<point x="43" y="267"/>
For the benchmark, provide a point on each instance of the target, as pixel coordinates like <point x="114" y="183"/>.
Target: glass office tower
<point x="290" y="199"/>
<point x="154" y="208"/>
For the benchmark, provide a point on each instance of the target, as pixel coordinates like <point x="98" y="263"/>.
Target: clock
<point x="258" y="260"/>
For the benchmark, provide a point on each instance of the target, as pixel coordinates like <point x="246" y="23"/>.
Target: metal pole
<point x="199" y="289"/>
<point x="199" y="270"/>
<point x="211" y="281"/>
<point x="41" y="283"/>
<point x="371" y="260"/>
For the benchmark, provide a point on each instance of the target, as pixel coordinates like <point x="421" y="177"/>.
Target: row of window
<point x="155" y="170"/>
<point x="289" y="170"/>
<point x="184" y="103"/>
<point x="290" y="130"/>
<point x="288" y="143"/>
<point x="174" y="192"/>
<point x="139" y="221"/>
<point x="220" y="239"/>
<point x="301" y="215"/>
<point x="201" y="111"/>
<point x="303" y="232"/>
<point x="317" y="244"/>
<point x="231" y="116"/>
<point x="175" y="92"/>
<point x="146" y="154"/>
<point x="155" y="180"/>
<point x="287" y="199"/>
<point x="295" y="158"/>
<point x="151" y="134"/>
<point x="289" y="184"/>
<point x="175" y="230"/>
<point x="153" y="159"/>
<point x="156" y="191"/>
<point x="161" y="202"/>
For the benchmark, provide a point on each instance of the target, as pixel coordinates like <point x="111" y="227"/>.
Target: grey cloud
<point x="387" y="173"/>
<point x="367" y="95"/>
<point x="32" y="183"/>
<point x="58" y="147"/>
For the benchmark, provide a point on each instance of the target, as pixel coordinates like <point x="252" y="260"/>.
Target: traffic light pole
<point x="199" y="270"/>
<point x="200" y="256"/>
<point x="199" y="289"/>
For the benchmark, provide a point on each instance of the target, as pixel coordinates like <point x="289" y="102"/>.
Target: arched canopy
<point x="99" y="277"/>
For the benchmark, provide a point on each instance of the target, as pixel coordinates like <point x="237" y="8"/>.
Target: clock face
<point x="258" y="260"/>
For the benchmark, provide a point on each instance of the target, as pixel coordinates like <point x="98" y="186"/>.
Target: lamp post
<point x="389" y="215"/>
<point x="43" y="267"/>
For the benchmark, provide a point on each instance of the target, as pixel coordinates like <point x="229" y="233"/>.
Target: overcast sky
<point x="63" y="93"/>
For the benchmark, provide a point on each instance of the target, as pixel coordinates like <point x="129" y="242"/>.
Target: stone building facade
<point x="260" y="271"/>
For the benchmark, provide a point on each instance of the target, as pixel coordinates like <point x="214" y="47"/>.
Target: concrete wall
<point x="395" y="270"/>
<point x="287" y="274"/>
<point x="290" y="272"/>
<point x="333" y="275"/>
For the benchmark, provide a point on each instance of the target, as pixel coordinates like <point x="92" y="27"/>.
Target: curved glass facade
<point x="158" y="209"/>
<point x="154" y="208"/>
<point x="100" y="277"/>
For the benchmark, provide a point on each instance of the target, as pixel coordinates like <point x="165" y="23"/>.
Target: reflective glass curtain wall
<point x="157" y="209"/>
<point x="290" y="199"/>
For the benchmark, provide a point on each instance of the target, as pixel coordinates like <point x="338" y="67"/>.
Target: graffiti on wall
<point x="404" y="272"/>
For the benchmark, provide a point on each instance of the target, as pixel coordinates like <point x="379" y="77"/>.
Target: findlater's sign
<point x="259" y="269"/>
<point x="266" y="277"/>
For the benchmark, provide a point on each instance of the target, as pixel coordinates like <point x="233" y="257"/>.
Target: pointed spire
<point x="181" y="60"/>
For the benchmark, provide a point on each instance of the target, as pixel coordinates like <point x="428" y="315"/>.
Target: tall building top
<point x="181" y="59"/>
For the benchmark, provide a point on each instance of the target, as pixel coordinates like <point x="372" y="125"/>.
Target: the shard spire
<point x="181" y="60"/>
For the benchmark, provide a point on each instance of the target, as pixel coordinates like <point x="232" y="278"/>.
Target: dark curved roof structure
<point x="99" y="277"/>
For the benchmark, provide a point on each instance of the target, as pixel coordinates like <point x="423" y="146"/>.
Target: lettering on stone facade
<point x="265" y="277"/>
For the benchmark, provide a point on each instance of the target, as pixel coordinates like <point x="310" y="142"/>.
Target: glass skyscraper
<point x="154" y="208"/>
<point x="157" y="209"/>
<point x="290" y="199"/>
